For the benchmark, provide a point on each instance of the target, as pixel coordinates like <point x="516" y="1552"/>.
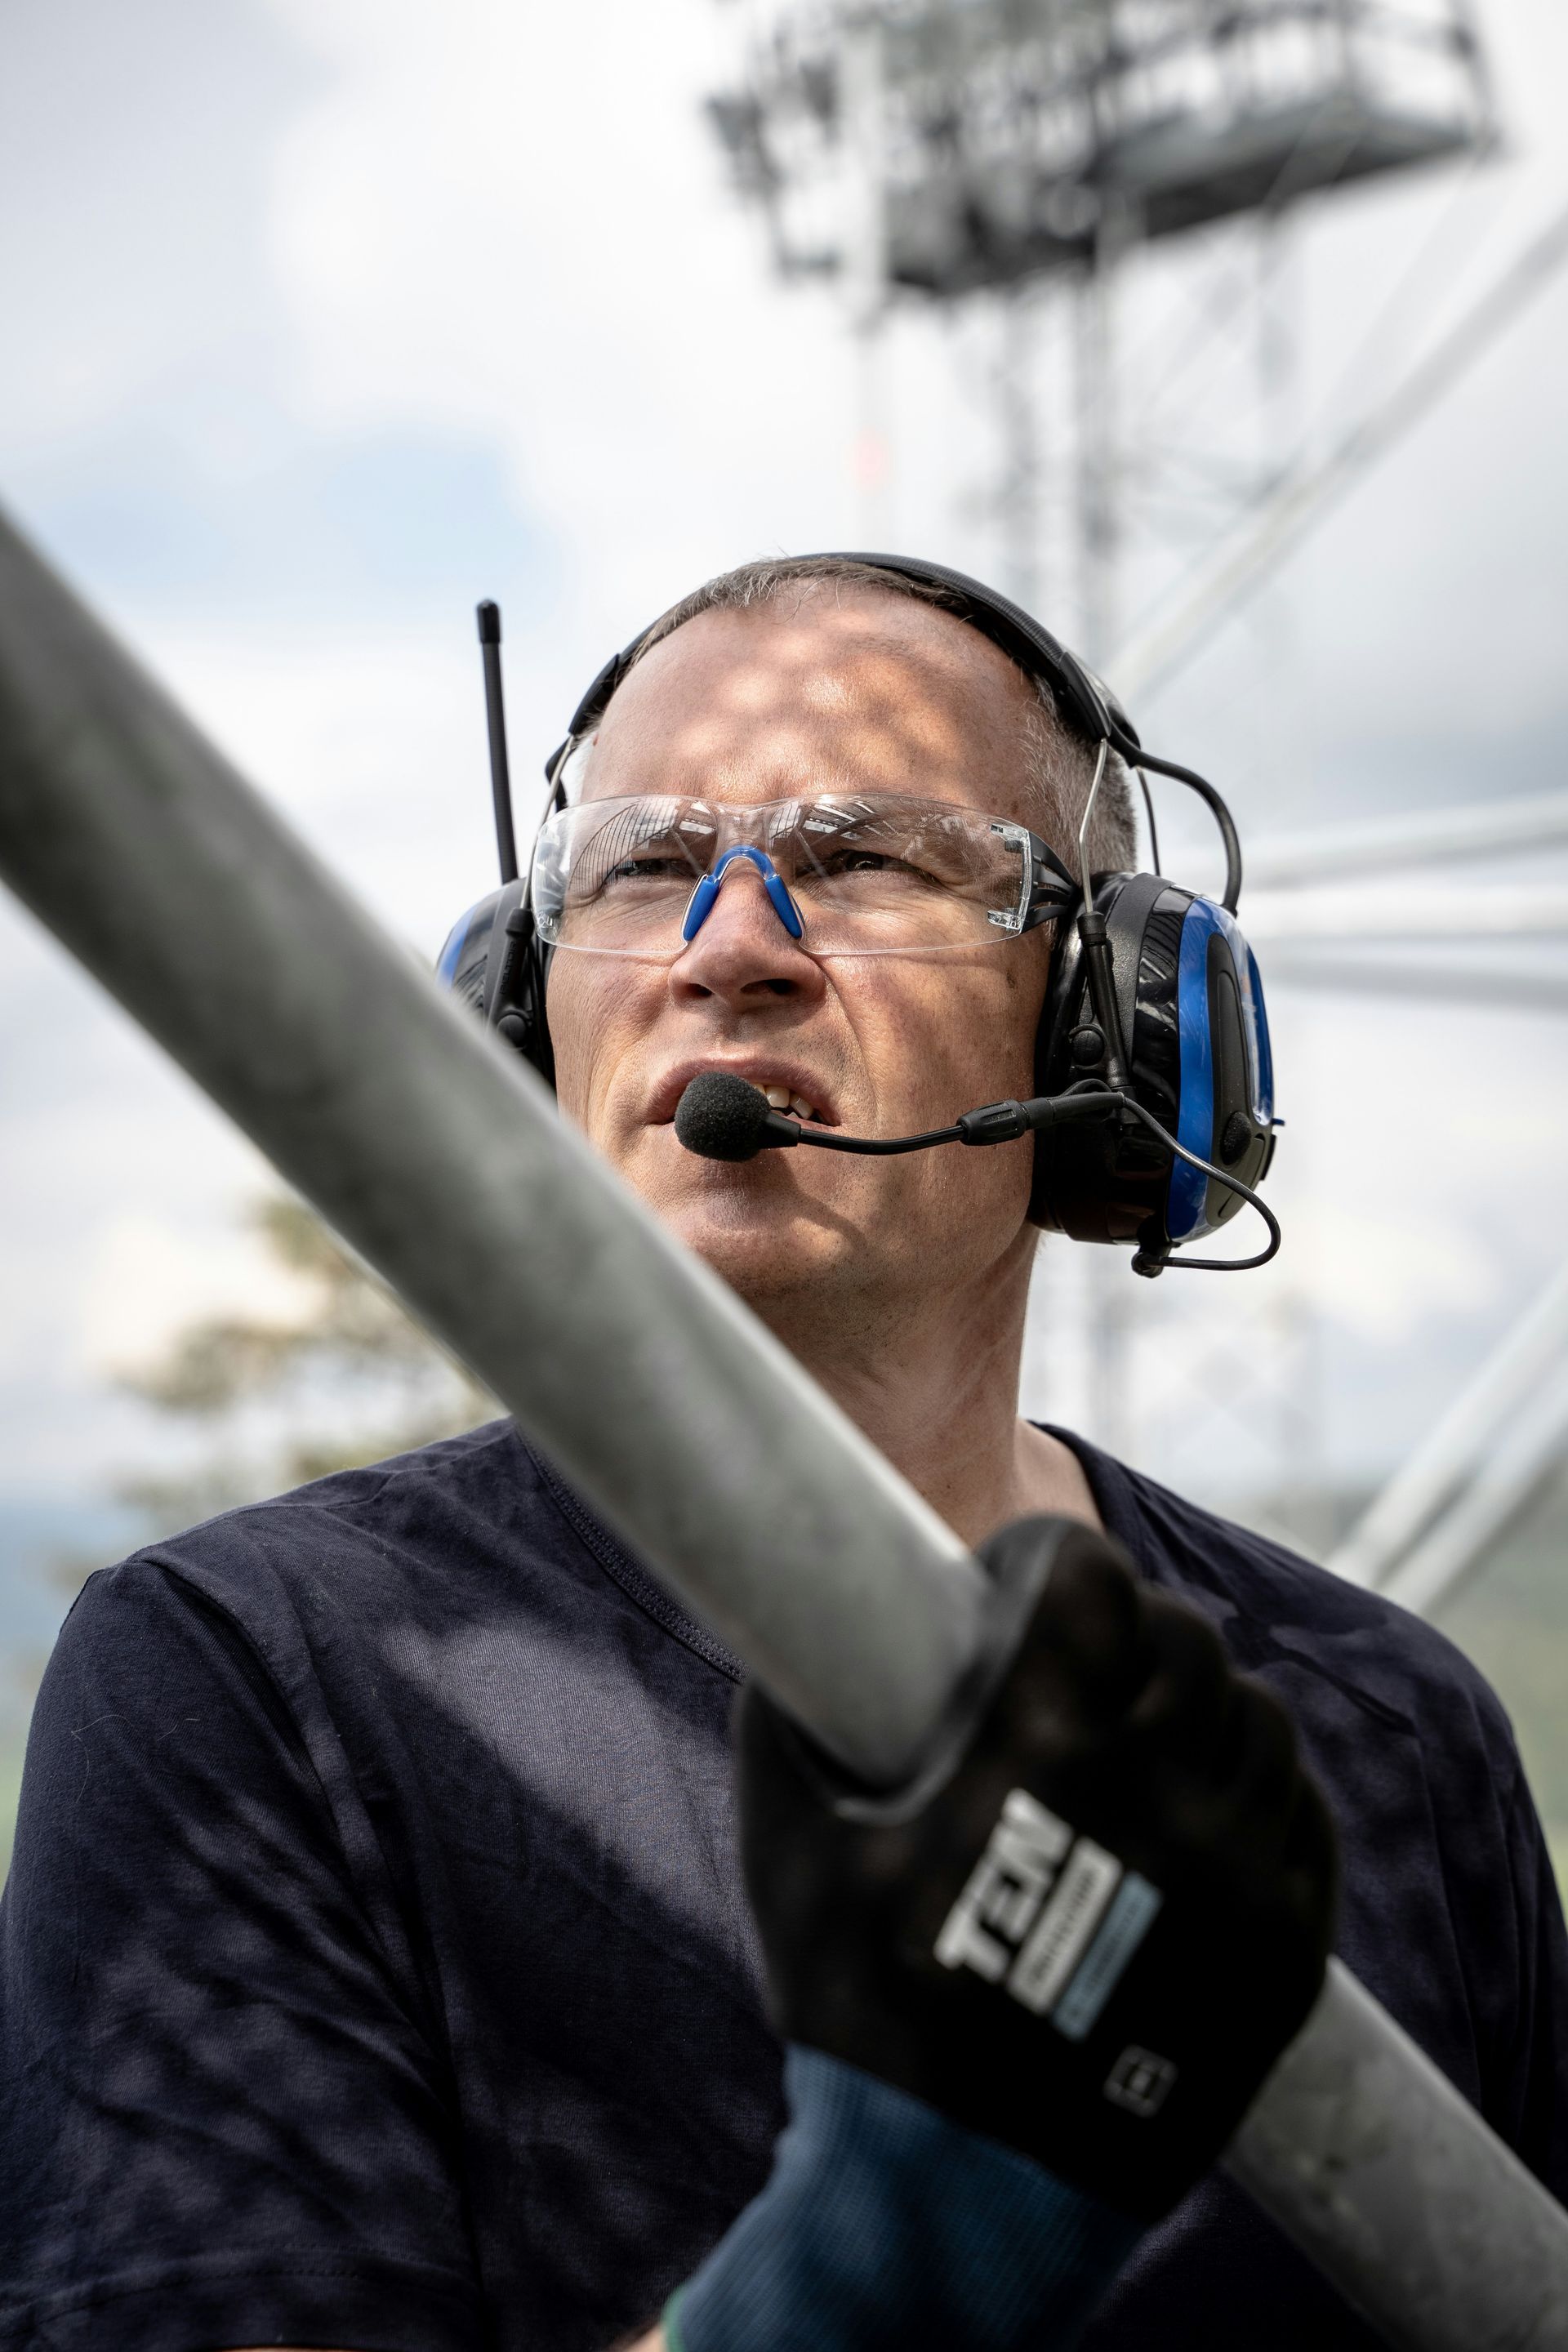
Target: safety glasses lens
<point x="870" y="875"/>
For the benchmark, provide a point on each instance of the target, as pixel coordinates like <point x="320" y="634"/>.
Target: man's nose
<point x="742" y="953"/>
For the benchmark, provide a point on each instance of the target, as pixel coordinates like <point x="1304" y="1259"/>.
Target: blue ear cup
<point x="463" y="961"/>
<point x="1196" y="1033"/>
<point x="495" y="961"/>
<point x="1225" y="1070"/>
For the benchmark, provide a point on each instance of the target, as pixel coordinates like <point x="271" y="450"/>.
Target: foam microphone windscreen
<point x="720" y="1116"/>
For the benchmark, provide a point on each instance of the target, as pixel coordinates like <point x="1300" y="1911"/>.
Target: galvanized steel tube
<point x="1390" y="2183"/>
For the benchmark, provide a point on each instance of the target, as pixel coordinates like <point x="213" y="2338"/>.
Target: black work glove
<point x="1096" y="1936"/>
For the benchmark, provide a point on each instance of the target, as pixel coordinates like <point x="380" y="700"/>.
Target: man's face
<point x="836" y="692"/>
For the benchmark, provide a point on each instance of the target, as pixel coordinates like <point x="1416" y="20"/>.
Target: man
<point x="375" y="1968"/>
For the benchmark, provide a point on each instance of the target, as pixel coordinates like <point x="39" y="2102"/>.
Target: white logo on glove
<point x="1060" y="1932"/>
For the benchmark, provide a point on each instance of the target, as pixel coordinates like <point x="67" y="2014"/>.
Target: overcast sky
<point x="324" y="318"/>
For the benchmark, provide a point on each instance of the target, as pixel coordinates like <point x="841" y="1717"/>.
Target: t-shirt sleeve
<point x="223" y="2119"/>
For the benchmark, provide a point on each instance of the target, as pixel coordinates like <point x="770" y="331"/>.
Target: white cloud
<point x="372" y="744"/>
<point x="132" y="143"/>
<point x="512" y="221"/>
<point x="1384" y="1275"/>
<point x="146" y="1277"/>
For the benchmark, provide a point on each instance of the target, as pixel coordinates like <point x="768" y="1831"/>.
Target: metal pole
<point x="435" y="1155"/>
<point x="1502" y="828"/>
<point x="1097" y="451"/>
<point x="863" y="89"/>
<point x="1528" y="1457"/>
<point x="1448" y="1457"/>
<point x="1017" y="393"/>
<point x="1367" y="2157"/>
<point x="1522" y="991"/>
<point x="1166" y="647"/>
<point x="1104" y="1299"/>
<point x="1494" y="910"/>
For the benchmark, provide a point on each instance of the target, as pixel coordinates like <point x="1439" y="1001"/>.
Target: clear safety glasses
<point x="846" y="875"/>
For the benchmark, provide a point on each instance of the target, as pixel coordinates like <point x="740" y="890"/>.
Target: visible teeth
<point x="781" y="1099"/>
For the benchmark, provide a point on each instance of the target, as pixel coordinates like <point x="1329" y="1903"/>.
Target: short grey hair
<point x="1060" y="761"/>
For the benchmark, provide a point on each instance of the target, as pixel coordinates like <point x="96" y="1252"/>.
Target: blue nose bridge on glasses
<point x="706" y="895"/>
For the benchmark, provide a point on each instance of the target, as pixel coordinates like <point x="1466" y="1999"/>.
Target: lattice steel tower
<point x="1014" y="149"/>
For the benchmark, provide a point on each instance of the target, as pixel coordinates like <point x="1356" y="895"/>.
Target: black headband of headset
<point x="1086" y="703"/>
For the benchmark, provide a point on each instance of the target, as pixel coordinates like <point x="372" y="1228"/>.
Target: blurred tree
<point x="349" y="1378"/>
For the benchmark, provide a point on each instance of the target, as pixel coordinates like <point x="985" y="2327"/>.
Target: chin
<point x="764" y="1248"/>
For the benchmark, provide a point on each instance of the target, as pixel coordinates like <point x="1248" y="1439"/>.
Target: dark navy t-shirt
<point x="375" y="1972"/>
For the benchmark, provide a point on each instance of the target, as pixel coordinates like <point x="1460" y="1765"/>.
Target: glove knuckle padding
<point x="1093" y="1940"/>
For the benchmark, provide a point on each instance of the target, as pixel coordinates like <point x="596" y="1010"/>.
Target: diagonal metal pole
<point x="437" y="1157"/>
<point x="1366" y="850"/>
<point x="1527" y="1459"/>
<point x="1165" y="645"/>
<point x="1518" y="987"/>
<point x="1452" y="1456"/>
<point x="1492" y="910"/>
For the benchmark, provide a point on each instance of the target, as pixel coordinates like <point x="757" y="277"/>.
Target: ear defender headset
<point x="1155" y="1119"/>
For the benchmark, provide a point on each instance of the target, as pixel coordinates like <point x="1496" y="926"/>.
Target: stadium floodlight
<point x="1012" y="138"/>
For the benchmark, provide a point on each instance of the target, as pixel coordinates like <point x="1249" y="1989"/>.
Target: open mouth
<point x="789" y="1088"/>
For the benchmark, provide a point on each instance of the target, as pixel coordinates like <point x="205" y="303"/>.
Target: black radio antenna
<point x="495" y="714"/>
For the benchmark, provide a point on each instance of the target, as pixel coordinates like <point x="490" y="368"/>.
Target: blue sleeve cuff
<point x="884" y="2227"/>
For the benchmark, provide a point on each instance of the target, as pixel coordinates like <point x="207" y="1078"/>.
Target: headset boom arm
<point x="441" y="1159"/>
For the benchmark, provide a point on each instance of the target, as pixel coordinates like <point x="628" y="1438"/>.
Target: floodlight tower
<point x="968" y="152"/>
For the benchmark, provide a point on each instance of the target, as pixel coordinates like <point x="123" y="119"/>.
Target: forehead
<point x="821" y="692"/>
